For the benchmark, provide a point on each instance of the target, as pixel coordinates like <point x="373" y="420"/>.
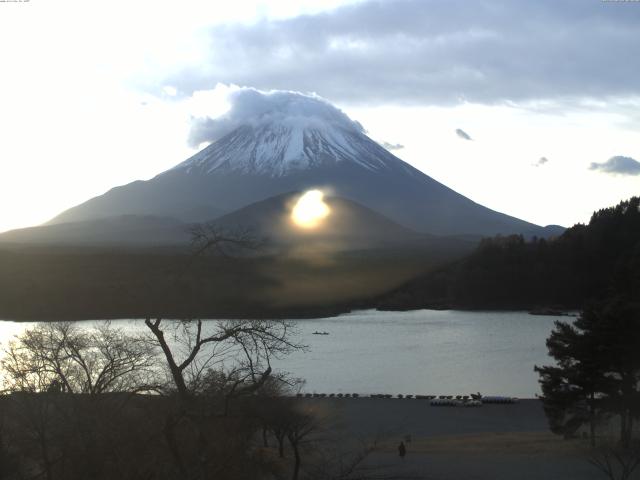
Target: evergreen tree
<point x="616" y="326"/>
<point x="597" y="371"/>
<point x="573" y="390"/>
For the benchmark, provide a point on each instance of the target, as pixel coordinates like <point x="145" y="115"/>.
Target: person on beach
<point x="402" y="450"/>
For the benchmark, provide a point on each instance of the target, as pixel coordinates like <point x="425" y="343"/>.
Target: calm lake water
<point x="419" y="352"/>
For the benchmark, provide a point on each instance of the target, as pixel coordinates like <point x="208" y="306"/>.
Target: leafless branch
<point x="207" y="238"/>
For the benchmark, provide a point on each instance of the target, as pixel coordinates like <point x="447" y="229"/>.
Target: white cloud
<point x="249" y="106"/>
<point x="541" y="161"/>
<point x="462" y="134"/>
<point x="617" y="165"/>
<point x="392" y="146"/>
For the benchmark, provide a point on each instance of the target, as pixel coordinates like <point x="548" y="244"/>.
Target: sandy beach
<point x="491" y="442"/>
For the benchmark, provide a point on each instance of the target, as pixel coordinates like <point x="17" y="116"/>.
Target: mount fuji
<point x="269" y="144"/>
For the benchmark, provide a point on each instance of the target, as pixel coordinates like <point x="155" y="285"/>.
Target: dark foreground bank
<point x="491" y="442"/>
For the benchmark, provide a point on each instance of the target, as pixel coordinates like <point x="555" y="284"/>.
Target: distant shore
<point x="315" y="314"/>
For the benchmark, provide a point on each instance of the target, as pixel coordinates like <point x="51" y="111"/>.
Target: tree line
<point x="582" y="264"/>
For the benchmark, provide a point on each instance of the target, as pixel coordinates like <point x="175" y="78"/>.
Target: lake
<point x="419" y="352"/>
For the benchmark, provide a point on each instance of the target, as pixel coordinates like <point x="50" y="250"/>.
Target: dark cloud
<point x="618" y="165"/>
<point x="253" y="107"/>
<point x="541" y="161"/>
<point x="433" y="52"/>
<point x="463" y="135"/>
<point x="392" y="146"/>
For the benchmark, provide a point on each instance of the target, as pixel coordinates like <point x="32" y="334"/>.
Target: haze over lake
<point x="416" y="352"/>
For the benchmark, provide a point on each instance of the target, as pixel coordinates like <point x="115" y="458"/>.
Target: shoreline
<point x="420" y="419"/>
<point x="485" y="443"/>
<point x="330" y="313"/>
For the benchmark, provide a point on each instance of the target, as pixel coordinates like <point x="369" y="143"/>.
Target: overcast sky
<point x="531" y="108"/>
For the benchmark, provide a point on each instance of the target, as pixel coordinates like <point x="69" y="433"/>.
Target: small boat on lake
<point x="320" y="333"/>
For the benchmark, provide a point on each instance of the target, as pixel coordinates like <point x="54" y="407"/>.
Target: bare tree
<point x="231" y="358"/>
<point x="62" y="357"/>
<point x="275" y="413"/>
<point x="616" y="462"/>
<point x="239" y="350"/>
<point x="303" y="423"/>
<point x="58" y="375"/>
<point x="217" y="359"/>
<point x="211" y="238"/>
<point x="249" y="344"/>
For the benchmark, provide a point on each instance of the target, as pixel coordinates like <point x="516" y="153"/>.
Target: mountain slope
<point x="347" y="220"/>
<point x="129" y="230"/>
<point x="349" y="227"/>
<point x="297" y="142"/>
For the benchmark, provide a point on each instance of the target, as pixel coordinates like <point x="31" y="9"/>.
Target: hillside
<point x="511" y="273"/>
<point x="124" y="230"/>
<point x="350" y="226"/>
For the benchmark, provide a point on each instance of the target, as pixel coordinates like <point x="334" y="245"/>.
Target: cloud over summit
<point x="253" y="107"/>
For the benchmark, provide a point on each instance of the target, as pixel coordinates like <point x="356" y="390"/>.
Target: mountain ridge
<point x="307" y="143"/>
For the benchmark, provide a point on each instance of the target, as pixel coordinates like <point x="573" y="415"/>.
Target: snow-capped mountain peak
<point x="275" y="143"/>
<point x="278" y="133"/>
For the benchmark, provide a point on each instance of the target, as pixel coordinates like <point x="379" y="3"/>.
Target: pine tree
<point x="572" y="390"/>
<point x="597" y="371"/>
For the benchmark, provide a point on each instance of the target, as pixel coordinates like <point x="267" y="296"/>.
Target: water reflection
<point x="419" y="352"/>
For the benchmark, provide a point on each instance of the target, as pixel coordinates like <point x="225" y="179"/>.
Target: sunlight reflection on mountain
<point x="310" y="210"/>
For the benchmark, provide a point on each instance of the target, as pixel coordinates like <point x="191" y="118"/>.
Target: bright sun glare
<point x="310" y="210"/>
